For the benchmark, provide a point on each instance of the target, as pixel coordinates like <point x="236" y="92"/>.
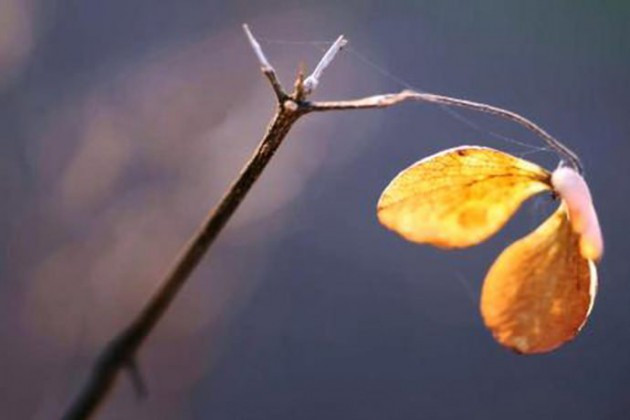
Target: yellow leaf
<point x="539" y="292"/>
<point x="459" y="197"/>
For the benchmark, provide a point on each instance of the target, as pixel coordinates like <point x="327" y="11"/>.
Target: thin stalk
<point x="121" y="351"/>
<point x="386" y="100"/>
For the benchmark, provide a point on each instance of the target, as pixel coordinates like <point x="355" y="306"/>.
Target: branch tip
<point x="265" y="66"/>
<point x="311" y="82"/>
<point x="264" y="63"/>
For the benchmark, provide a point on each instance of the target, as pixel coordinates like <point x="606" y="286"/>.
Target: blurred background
<point x="123" y="122"/>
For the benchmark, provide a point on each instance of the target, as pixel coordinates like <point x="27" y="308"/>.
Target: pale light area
<point x="16" y="36"/>
<point x="102" y="153"/>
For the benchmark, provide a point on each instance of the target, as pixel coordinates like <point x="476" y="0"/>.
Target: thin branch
<point x="387" y="100"/>
<point x="376" y="101"/>
<point x="264" y="63"/>
<point x="311" y="82"/>
<point x="120" y="353"/>
<point x="122" y="350"/>
<point x="265" y="66"/>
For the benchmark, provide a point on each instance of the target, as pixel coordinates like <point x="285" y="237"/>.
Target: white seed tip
<point x="574" y="191"/>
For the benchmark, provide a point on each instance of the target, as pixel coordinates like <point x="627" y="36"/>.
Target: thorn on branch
<point x="299" y="92"/>
<point x="137" y="380"/>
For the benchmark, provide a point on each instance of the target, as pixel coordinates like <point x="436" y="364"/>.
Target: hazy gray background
<point x="122" y="123"/>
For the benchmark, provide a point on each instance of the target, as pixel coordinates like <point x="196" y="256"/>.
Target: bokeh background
<point x="121" y="123"/>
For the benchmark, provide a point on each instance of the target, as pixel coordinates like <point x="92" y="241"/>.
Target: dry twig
<point x="121" y="351"/>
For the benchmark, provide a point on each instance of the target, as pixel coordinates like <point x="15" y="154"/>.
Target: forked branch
<point x="121" y="351"/>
